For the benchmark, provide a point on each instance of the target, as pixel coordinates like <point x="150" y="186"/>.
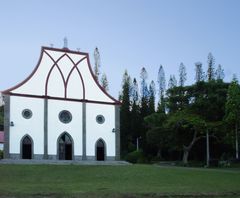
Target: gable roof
<point x="65" y="75"/>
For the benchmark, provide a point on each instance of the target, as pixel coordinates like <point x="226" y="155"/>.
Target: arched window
<point x="27" y="147"/>
<point x="65" y="147"/>
<point x="100" y="150"/>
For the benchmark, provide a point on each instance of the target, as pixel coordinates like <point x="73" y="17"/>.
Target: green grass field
<point x="116" y="181"/>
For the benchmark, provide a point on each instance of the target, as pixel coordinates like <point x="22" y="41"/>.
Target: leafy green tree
<point x="157" y="134"/>
<point x="190" y="126"/>
<point x="233" y="109"/>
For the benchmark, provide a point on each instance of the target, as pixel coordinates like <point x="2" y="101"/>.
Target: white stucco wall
<point x="96" y="131"/>
<point x="56" y="127"/>
<point x="36" y="84"/>
<point x="33" y="126"/>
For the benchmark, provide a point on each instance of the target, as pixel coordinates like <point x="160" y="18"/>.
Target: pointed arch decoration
<point x="79" y="73"/>
<point x="65" y="146"/>
<point x="26" y="147"/>
<point x="55" y="64"/>
<point x="100" y="150"/>
<point x="65" y="82"/>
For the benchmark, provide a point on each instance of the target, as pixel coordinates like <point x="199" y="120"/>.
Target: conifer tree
<point x="135" y="92"/>
<point x="152" y="94"/>
<point x="97" y="63"/>
<point x="144" y="88"/>
<point x="172" y="82"/>
<point x="199" y="72"/>
<point x="161" y="83"/>
<point x="104" y="82"/>
<point x="135" y="113"/>
<point x="220" y="73"/>
<point x="210" y="71"/>
<point x="182" y="75"/>
<point x="125" y="115"/>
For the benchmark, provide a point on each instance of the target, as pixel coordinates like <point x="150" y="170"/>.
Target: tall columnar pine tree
<point x="135" y="91"/>
<point x="220" y="73"/>
<point x="161" y="80"/>
<point x="211" y="69"/>
<point x="104" y="82"/>
<point x="135" y="113"/>
<point x="125" y="114"/>
<point x="152" y="95"/>
<point x="172" y="82"/>
<point x="182" y="75"/>
<point x="144" y="108"/>
<point x="144" y="92"/>
<point x="97" y="63"/>
<point x="232" y="109"/>
<point x="199" y="72"/>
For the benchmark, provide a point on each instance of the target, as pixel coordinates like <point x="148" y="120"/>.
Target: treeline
<point x="176" y="126"/>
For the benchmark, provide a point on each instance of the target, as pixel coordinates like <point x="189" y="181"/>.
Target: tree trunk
<point x="236" y="140"/>
<point x="159" y="154"/>
<point x="186" y="149"/>
<point x="185" y="155"/>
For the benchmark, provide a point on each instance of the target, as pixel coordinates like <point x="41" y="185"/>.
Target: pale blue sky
<point x="130" y="34"/>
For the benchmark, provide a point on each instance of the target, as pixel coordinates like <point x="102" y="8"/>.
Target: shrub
<point x="135" y="157"/>
<point x="1" y="154"/>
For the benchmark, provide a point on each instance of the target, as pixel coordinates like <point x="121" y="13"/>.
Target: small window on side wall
<point x="100" y="119"/>
<point x="65" y="116"/>
<point x="27" y="113"/>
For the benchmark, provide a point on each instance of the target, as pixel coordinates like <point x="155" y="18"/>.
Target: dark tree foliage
<point x="220" y="73"/>
<point x="199" y="72"/>
<point x="182" y="75"/>
<point x="152" y="94"/>
<point x="172" y="82"/>
<point x="232" y="111"/>
<point x="125" y="114"/>
<point x="211" y="69"/>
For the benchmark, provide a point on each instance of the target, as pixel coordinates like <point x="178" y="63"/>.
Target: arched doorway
<point x="100" y="150"/>
<point x="65" y="148"/>
<point x="27" y="147"/>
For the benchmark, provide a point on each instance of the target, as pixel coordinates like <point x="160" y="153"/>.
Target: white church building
<point x="61" y="112"/>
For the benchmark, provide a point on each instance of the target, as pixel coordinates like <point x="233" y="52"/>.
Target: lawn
<point x="116" y="181"/>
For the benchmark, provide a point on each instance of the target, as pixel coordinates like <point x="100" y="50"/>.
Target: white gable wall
<point x="33" y="126"/>
<point x="56" y="127"/>
<point x="103" y="131"/>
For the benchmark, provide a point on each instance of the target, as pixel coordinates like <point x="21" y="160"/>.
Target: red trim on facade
<point x="79" y="73"/>
<point x="64" y="99"/>
<point x="93" y="76"/>
<point x="8" y="91"/>
<point x="28" y="78"/>
<point x="50" y="71"/>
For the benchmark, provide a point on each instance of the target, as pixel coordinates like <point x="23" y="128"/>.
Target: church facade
<point x="61" y="112"/>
